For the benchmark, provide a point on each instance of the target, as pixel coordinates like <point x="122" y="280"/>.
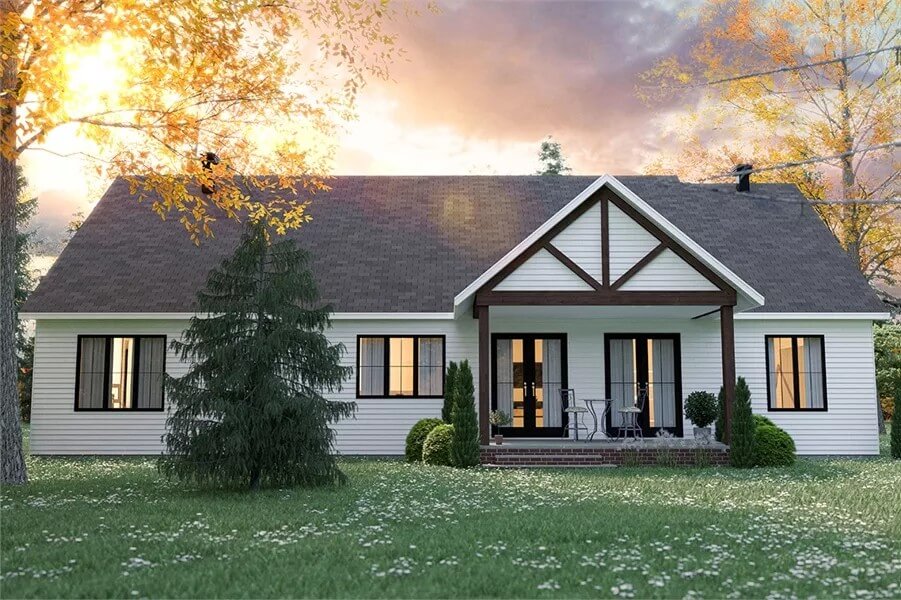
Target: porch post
<point x="727" y="341"/>
<point x="484" y="368"/>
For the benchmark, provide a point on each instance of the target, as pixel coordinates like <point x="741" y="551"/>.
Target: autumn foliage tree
<point x="260" y="84"/>
<point x="842" y="107"/>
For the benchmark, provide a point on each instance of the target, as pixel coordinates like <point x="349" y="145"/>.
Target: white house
<point x="603" y="285"/>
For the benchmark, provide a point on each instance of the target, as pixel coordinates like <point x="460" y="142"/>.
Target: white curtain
<point x="505" y="376"/>
<point x="663" y="384"/>
<point x="372" y="366"/>
<point x="622" y="378"/>
<point x="552" y="379"/>
<point x="151" y="355"/>
<point x="92" y="372"/>
<point x="812" y="370"/>
<point x="431" y="372"/>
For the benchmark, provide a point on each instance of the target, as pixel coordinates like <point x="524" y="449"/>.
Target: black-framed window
<point x="120" y="372"/>
<point x="796" y="372"/>
<point x="400" y="366"/>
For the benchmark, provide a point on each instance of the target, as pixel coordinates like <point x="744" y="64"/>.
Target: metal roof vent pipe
<point x="744" y="177"/>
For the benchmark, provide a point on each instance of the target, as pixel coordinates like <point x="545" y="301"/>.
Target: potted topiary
<point x="701" y="408"/>
<point x="499" y="418"/>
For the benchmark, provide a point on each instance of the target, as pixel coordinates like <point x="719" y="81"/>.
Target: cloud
<point x="515" y="72"/>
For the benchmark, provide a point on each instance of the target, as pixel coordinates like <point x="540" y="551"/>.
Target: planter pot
<point x="702" y="434"/>
<point x="498" y="440"/>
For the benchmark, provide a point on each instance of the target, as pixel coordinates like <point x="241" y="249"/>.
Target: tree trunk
<point x="11" y="456"/>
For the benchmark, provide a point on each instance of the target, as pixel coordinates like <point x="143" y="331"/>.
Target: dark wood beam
<point x="484" y="367"/>
<point x="706" y="314"/>
<point x="604" y="297"/>
<point x="583" y="275"/>
<point x="727" y="341"/>
<point x="605" y="242"/>
<point x="540" y="243"/>
<point x="638" y="266"/>
<point x="666" y="240"/>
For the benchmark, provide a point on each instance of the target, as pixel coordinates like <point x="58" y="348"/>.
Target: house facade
<point x="613" y="287"/>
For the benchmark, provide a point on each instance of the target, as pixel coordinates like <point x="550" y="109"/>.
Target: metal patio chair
<point x="630" y="414"/>
<point x="568" y="401"/>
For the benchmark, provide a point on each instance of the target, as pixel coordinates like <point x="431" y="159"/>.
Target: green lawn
<point x="113" y="528"/>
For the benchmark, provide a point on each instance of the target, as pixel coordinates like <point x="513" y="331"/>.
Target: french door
<point x="647" y="365"/>
<point x="528" y="372"/>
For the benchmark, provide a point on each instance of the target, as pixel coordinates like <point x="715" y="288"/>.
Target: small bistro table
<point x="596" y="415"/>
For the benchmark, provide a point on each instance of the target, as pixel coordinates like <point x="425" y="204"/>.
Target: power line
<point x="895" y="49"/>
<point x="802" y="66"/>
<point x="799" y="163"/>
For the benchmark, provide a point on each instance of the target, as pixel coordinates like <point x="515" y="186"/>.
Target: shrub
<point x="773" y="447"/>
<point x="896" y="427"/>
<point x="465" y="446"/>
<point x="701" y="408"/>
<point x="416" y="438"/>
<point x="437" y="447"/>
<point x="760" y="421"/>
<point x="450" y="387"/>
<point x="741" y="449"/>
<point x="721" y="416"/>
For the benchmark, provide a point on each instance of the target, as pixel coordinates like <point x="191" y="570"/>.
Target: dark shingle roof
<point x="410" y="244"/>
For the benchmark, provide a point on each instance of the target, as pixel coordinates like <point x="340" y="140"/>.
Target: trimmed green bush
<point x="465" y="447"/>
<point x="741" y="448"/>
<point x="720" y="426"/>
<point x="437" y="447"/>
<point x="773" y="447"/>
<point x="416" y="438"/>
<point x="701" y="408"/>
<point x="760" y="421"/>
<point x="450" y="388"/>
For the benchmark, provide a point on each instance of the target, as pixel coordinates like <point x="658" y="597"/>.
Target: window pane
<point x="400" y="368"/>
<point x="121" y="373"/>
<point x="372" y="366"/>
<point x="431" y="366"/>
<point x="810" y="373"/>
<point x="91" y="372"/>
<point x="782" y="378"/>
<point x="151" y="360"/>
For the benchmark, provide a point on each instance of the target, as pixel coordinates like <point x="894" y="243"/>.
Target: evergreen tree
<point x="450" y="388"/>
<point x="741" y="449"/>
<point x="465" y="444"/>
<point x="550" y="155"/>
<point x="720" y="432"/>
<point x="896" y="424"/>
<point x="250" y="410"/>
<point x="26" y="207"/>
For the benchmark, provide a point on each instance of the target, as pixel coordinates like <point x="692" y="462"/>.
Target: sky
<point x="480" y="85"/>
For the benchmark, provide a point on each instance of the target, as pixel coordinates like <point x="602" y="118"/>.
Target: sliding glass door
<point x="644" y="367"/>
<point x="529" y="370"/>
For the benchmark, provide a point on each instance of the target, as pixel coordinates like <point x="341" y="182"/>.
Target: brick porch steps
<point x="607" y="454"/>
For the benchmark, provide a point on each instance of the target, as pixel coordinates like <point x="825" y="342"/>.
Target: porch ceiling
<point x="602" y="312"/>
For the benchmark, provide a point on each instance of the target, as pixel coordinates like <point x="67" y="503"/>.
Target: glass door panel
<point x="529" y="371"/>
<point x="649" y="362"/>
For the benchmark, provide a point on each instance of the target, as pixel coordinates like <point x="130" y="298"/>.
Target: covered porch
<point x="610" y="357"/>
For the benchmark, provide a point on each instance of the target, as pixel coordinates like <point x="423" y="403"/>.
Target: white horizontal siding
<point x="381" y="425"/>
<point x="629" y="242"/>
<point x="542" y="272"/>
<point x="581" y="241"/>
<point x="849" y="425"/>
<point x="668" y="272"/>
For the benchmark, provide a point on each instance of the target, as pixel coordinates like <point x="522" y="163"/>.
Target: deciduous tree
<point x="837" y="108"/>
<point x="551" y="157"/>
<point x="156" y="87"/>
